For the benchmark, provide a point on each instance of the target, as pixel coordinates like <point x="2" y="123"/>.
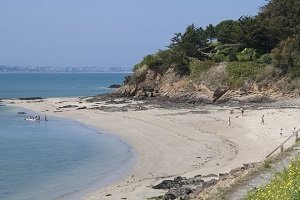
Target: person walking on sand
<point x="46" y="118"/>
<point x="280" y="132"/>
<point x="242" y="111"/>
<point x="229" y="121"/>
<point x="263" y="119"/>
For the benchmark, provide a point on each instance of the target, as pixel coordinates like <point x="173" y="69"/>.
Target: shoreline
<point x="115" y="172"/>
<point x="169" y="143"/>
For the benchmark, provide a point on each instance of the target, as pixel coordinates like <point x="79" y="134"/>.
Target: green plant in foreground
<point x="284" y="186"/>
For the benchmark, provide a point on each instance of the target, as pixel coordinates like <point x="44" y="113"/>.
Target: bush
<point x="227" y="49"/>
<point x="285" y="185"/>
<point x="232" y="57"/>
<point x="294" y="72"/>
<point x="197" y="67"/>
<point x="139" y="75"/>
<point x="248" y="54"/>
<point x="287" y="54"/>
<point x="239" y="72"/>
<point x="219" y="57"/>
<point x="266" y="58"/>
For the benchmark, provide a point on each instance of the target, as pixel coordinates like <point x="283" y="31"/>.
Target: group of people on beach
<point x="232" y="111"/>
<point x="262" y="120"/>
<point x="35" y="118"/>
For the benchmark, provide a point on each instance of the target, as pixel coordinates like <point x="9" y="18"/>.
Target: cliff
<point x="213" y="85"/>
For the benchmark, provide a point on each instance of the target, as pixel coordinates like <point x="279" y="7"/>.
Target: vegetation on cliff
<point x="264" y="49"/>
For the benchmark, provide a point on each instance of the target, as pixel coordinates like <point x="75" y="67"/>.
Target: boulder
<point x="165" y="184"/>
<point x="219" y="92"/>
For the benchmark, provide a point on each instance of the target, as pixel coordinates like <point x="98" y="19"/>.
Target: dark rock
<point x="210" y="175"/>
<point x="165" y="184"/>
<point x="169" y="196"/>
<point x="30" y="98"/>
<point x="21" y="113"/>
<point x="235" y="170"/>
<point x="176" y="183"/>
<point x="198" y="176"/>
<point x="223" y="174"/>
<point x="108" y="195"/>
<point x="219" y="92"/>
<point x="248" y="165"/>
<point x="81" y="108"/>
<point x="179" y="178"/>
<point x="68" y="106"/>
<point x="209" y="183"/>
<point x="114" y="86"/>
<point x="180" y="193"/>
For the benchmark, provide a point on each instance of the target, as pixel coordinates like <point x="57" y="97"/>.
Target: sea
<point x="58" y="159"/>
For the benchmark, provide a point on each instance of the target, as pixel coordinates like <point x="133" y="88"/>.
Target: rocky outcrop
<point x="190" y="188"/>
<point x="210" y="88"/>
<point x="114" y="86"/>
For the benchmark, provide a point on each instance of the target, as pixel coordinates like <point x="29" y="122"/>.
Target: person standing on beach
<point x="280" y="132"/>
<point x="242" y="110"/>
<point x="263" y="119"/>
<point x="229" y="121"/>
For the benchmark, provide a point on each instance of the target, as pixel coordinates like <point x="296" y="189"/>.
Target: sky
<point x="102" y="33"/>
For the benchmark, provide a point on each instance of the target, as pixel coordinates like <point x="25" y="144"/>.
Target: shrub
<point x="266" y="58"/>
<point x="197" y="67"/>
<point x="287" y="54"/>
<point x="219" y="57"/>
<point x="248" y="54"/>
<point x="294" y="72"/>
<point x="285" y="185"/>
<point x="239" y="72"/>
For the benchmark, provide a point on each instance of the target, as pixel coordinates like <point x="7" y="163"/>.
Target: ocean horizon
<point x="45" y="85"/>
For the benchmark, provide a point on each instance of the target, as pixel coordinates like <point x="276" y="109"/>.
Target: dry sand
<point x="173" y="142"/>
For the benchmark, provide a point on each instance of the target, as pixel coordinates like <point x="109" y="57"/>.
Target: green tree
<point x="281" y="18"/>
<point x="190" y="43"/>
<point x="253" y="34"/>
<point x="228" y="31"/>
<point x="210" y="32"/>
<point x="287" y="55"/>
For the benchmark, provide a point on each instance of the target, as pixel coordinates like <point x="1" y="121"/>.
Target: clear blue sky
<point x="102" y="33"/>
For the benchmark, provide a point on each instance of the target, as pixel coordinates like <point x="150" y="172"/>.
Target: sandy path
<point x="183" y="142"/>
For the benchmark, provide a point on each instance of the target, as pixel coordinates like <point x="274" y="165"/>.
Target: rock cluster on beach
<point x="189" y="188"/>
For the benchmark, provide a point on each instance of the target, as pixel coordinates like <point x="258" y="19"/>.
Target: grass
<point x="284" y="186"/>
<point x="223" y="192"/>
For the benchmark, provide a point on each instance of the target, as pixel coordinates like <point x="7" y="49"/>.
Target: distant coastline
<point x="39" y="69"/>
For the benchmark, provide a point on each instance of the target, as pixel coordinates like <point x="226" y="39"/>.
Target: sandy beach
<point x="176" y="142"/>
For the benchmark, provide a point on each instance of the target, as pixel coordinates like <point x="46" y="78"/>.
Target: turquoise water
<point x="53" y="160"/>
<point x="59" y="159"/>
<point x="56" y="84"/>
